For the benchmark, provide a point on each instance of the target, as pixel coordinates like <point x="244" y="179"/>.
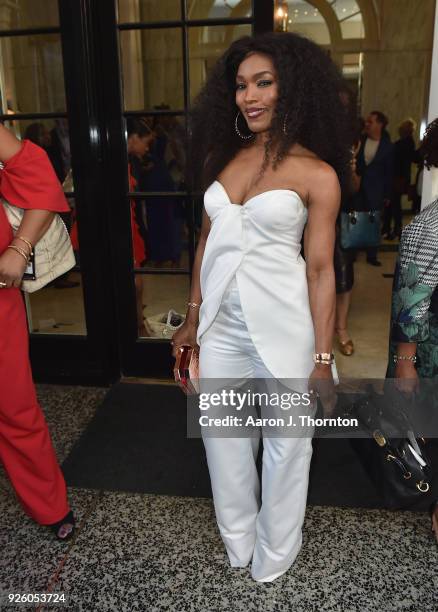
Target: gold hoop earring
<point x="284" y="122"/>
<point x="239" y="133"/>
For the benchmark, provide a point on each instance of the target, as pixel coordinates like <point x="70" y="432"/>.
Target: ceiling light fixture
<point x="281" y="17"/>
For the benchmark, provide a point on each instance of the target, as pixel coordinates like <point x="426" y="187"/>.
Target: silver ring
<point x="2" y="284"/>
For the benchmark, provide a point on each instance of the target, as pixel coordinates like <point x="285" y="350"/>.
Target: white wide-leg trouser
<point x="266" y="530"/>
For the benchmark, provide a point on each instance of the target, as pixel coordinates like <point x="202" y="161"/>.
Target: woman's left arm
<point x="35" y="222"/>
<point x="319" y="240"/>
<point x="33" y="226"/>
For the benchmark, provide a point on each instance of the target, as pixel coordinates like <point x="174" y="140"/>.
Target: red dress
<point x="27" y="181"/>
<point x="138" y="248"/>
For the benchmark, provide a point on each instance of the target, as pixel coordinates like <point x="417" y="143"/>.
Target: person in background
<point x="140" y="137"/>
<point x="165" y="216"/>
<point x="40" y="135"/>
<point x="27" y="181"/>
<point x="139" y="165"/>
<point x="344" y="259"/>
<point x="172" y="135"/>
<point x="61" y="148"/>
<point x="375" y="167"/>
<point x="404" y="156"/>
<point x="416" y="189"/>
<point x="413" y="349"/>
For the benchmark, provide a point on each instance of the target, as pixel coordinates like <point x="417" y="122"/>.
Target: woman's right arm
<point x="186" y="334"/>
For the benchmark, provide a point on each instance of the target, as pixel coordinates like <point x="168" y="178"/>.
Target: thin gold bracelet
<point x="28" y="242"/>
<point x="325" y="358"/>
<point x="21" y="251"/>
<point x="412" y="358"/>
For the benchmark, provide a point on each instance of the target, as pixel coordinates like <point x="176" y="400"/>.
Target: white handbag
<point x="53" y="253"/>
<point x="165" y="324"/>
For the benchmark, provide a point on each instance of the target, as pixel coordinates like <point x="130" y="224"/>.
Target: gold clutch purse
<point x="186" y="369"/>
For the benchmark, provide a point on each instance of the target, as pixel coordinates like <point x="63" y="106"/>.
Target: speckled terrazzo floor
<point x="160" y="553"/>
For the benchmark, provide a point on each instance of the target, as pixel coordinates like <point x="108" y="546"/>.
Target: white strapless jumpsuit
<point x="255" y="322"/>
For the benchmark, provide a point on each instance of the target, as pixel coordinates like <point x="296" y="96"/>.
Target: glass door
<point x="162" y="52"/>
<point x="34" y="106"/>
<point x="105" y="86"/>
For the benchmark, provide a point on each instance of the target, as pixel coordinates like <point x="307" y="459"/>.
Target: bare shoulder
<point x="308" y="162"/>
<point x="324" y="190"/>
<point x="313" y="165"/>
<point x="324" y="178"/>
<point x="312" y="175"/>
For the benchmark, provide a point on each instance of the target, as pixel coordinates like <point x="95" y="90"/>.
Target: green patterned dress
<point x="414" y="312"/>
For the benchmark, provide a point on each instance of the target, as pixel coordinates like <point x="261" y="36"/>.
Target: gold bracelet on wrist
<point x="28" y="242"/>
<point x="324" y="358"/>
<point x="21" y="251"/>
<point x="412" y="358"/>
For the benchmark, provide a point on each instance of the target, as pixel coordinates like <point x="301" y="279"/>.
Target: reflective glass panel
<point x="353" y="27"/>
<point x="31" y="74"/>
<point x="159" y="223"/>
<point x="53" y="136"/>
<point x="206" y="45"/>
<point x="22" y="14"/>
<point x="345" y="8"/>
<point x="157" y="158"/>
<point x="305" y="19"/>
<point x="57" y="308"/>
<point x="160" y="232"/>
<point x="130" y="11"/>
<point x="157" y="152"/>
<point x="164" y="303"/>
<point x="152" y="70"/>
<point x="218" y="9"/>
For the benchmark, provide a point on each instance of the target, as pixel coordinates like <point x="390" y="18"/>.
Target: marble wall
<point x="430" y="182"/>
<point x="396" y="75"/>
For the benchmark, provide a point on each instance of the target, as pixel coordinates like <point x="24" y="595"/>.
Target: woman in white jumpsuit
<point x="257" y="309"/>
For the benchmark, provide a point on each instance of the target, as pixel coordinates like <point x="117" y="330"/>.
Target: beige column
<point x="6" y="62"/>
<point x="132" y="58"/>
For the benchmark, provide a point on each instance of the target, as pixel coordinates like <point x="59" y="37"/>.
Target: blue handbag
<point x="360" y="230"/>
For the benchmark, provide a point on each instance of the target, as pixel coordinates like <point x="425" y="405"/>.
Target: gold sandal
<point x="347" y="347"/>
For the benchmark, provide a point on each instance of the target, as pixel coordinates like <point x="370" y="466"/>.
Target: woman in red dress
<point x="139" y="138"/>
<point x="27" y="181"/>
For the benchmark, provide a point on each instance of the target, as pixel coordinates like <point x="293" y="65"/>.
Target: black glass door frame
<point x="111" y="349"/>
<point x="142" y="357"/>
<point x="94" y="357"/>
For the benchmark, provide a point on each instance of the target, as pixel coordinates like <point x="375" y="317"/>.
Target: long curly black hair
<point x="311" y="95"/>
<point x="429" y="146"/>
